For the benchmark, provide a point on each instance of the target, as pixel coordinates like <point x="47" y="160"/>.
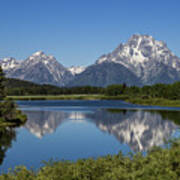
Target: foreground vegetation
<point x="161" y="164"/>
<point x="9" y="115"/>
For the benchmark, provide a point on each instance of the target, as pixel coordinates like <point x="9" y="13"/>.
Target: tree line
<point x="20" y="88"/>
<point x="16" y="87"/>
<point x="166" y="91"/>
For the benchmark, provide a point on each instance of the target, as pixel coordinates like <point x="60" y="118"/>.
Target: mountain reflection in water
<point x="139" y="129"/>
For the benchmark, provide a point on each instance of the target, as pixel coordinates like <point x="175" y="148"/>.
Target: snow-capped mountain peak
<point x="9" y="63"/>
<point x="39" y="68"/>
<point x="38" y="53"/>
<point x="40" y="57"/>
<point x="76" y="69"/>
<point x="145" y="57"/>
<point x="142" y="60"/>
<point x="139" y="49"/>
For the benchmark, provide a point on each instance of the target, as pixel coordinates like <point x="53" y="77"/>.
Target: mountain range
<point x="142" y="60"/>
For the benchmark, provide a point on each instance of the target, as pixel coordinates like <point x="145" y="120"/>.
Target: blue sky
<point x="77" y="32"/>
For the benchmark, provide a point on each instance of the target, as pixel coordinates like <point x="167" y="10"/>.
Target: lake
<point x="69" y="130"/>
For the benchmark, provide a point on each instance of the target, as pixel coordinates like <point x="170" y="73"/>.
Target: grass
<point x="155" y="102"/>
<point x="68" y="97"/>
<point x="130" y="99"/>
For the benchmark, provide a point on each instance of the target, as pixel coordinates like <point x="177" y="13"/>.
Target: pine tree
<point x="8" y="111"/>
<point x="2" y="87"/>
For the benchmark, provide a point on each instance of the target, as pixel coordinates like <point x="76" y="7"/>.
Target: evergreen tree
<point x="8" y="110"/>
<point x="2" y="87"/>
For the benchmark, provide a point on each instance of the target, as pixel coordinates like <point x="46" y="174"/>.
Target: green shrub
<point x="158" y="164"/>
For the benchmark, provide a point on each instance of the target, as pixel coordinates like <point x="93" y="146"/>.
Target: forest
<point x="24" y="88"/>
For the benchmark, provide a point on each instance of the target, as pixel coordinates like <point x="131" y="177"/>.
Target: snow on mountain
<point x="9" y="63"/>
<point x="144" y="56"/>
<point x="142" y="48"/>
<point x="41" y="68"/>
<point x="76" y="69"/>
<point x="142" y="60"/>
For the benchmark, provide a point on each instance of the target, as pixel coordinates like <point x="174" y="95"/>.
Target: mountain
<point x="76" y="69"/>
<point x="142" y="60"/>
<point x="9" y="63"/>
<point x="105" y="74"/>
<point x="40" y="68"/>
<point x="150" y="60"/>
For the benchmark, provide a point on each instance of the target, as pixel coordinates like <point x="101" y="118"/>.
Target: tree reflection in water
<point x="7" y="135"/>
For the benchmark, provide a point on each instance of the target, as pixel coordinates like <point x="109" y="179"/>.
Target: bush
<point x="161" y="164"/>
<point x="10" y="114"/>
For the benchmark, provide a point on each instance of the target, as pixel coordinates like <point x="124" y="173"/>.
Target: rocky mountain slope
<point x="145" y="59"/>
<point x="142" y="60"/>
<point x="10" y="63"/>
<point x="39" y="68"/>
<point x="76" y="69"/>
<point x="105" y="74"/>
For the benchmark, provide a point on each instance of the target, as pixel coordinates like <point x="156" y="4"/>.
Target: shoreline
<point x="138" y="100"/>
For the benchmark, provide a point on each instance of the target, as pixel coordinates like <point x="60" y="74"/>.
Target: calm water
<point x="80" y="129"/>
